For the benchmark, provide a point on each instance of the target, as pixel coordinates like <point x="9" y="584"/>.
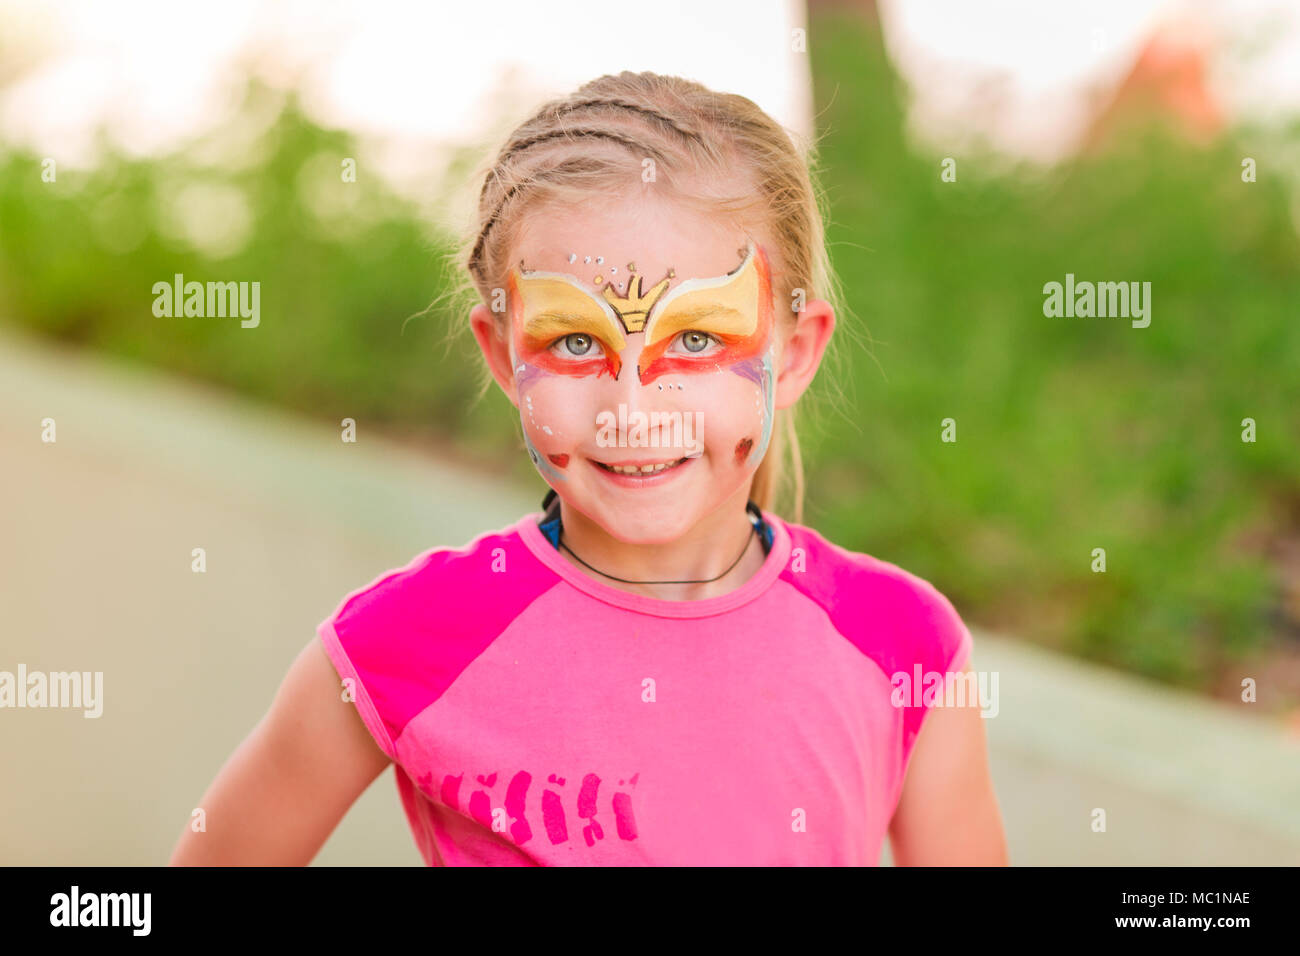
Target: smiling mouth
<point x="638" y="470"/>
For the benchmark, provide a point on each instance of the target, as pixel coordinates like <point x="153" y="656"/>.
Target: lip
<point x="641" y="481"/>
<point x="640" y="462"/>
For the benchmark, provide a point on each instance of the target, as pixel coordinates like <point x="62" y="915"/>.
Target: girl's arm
<point x="287" y="786"/>
<point x="948" y="813"/>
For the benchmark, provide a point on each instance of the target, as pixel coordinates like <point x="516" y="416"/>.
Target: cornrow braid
<point x="517" y="146"/>
<point x="633" y="145"/>
<point x="574" y="132"/>
<point x="667" y="122"/>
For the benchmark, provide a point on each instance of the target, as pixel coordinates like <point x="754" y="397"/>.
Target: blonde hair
<point x="598" y="139"/>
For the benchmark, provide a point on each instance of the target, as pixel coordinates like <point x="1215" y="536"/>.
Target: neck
<point x="706" y="551"/>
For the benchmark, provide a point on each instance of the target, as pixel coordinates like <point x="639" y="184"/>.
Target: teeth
<point x="643" y="469"/>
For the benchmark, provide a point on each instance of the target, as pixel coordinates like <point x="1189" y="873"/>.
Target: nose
<point x="635" y="397"/>
<point x="628" y="389"/>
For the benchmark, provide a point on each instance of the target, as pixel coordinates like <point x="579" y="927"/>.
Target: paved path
<point x="96" y="533"/>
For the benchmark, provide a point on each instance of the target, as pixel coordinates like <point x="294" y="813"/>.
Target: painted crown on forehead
<point x="634" y="308"/>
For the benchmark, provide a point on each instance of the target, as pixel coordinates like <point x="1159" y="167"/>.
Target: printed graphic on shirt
<point x="502" y="805"/>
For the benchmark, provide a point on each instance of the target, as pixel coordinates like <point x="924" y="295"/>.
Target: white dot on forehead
<point x="586" y="259"/>
<point x="573" y="257"/>
<point x="600" y="260"/>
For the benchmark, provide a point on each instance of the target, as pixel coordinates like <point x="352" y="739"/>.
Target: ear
<point x="490" y="332"/>
<point x="801" y="353"/>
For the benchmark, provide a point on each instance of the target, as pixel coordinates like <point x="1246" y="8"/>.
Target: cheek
<point x="558" y="412"/>
<point x="734" y="409"/>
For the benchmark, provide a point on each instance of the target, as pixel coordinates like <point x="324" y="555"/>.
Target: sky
<point x="410" y="77"/>
<point x="1030" y="76"/>
<point x="414" y="78"/>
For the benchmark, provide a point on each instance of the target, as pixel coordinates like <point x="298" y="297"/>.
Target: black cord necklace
<point x="752" y="528"/>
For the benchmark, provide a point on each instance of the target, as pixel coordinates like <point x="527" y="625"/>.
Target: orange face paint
<point x="546" y="307"/>
<point x="735" y="310"/>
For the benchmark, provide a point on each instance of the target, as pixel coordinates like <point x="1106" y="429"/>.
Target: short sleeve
<point x="403" y="640"/>
<point x="940" y="644"/>
<point x="354" y="682"/>
<point x="370" y="639"/>
<point x="898" y="619"/>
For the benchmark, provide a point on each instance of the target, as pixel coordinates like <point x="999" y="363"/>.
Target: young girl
<point x="655" y="669"/>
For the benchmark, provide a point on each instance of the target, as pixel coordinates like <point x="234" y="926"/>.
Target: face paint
<point x="548" y="308"/>
<point x="735" y="311"/>
<point x="562" y="332"/>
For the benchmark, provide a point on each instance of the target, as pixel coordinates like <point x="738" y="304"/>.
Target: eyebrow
<point x="698" y="313"/>
<point x="563" y="318"/>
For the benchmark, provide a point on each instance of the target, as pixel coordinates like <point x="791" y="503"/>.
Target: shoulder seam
<point x="419" y="561"/>
<point x="834" y="627"/>
<point x="470" y="663"/>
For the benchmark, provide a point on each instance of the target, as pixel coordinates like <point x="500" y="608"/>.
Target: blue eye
<point x="693" y="341"/>
<point x="578" y="343"/>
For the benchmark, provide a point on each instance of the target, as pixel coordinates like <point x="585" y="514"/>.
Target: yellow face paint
<point x="735" y="309"/>
<point x="547" y="306"/>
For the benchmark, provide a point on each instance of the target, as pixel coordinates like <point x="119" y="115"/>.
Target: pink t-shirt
<point x="539" y="716"/>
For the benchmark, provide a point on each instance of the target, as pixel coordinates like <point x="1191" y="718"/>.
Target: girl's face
<point x="642" y="343"/>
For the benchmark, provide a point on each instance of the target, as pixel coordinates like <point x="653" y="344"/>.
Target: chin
<point x="632" y="525"/>
<point x="631" y="529"/>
